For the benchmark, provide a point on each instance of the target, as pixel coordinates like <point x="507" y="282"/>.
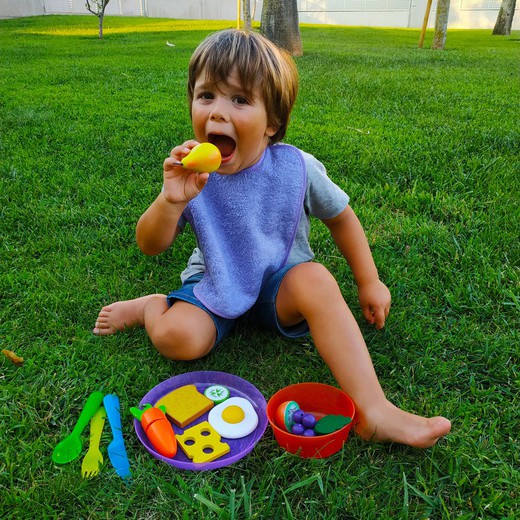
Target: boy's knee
<point x="306" y="289"/>
<point x="312" y="278"/>
<point x="182" y="343"/>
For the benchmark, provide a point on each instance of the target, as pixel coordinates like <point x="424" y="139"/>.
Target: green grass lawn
<point x="427" y="145"/>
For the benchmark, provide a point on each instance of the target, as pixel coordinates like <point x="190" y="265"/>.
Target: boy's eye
<point x="206" y="95"/>
<point x="241" y="100"/>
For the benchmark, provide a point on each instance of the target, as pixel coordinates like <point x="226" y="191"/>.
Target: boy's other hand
<point x="181" y="185"/>
<point x="375" y="300"/>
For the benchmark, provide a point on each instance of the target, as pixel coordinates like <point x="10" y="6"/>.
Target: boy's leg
<point x="308" y="291"/>
<point x="182" y="331"/>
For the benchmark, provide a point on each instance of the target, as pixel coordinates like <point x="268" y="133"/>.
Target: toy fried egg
<point x="234" y="418"/>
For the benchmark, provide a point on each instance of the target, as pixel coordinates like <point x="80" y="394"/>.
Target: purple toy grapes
<point x="303" y="423"/>
<point x="298" y="429"/>
<point x="298" y="416"/>
<point x="309" y="420"/>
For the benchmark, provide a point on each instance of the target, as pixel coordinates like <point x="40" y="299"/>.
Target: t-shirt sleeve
<point x="182" y="222"/>
<point x="324" y="199"/>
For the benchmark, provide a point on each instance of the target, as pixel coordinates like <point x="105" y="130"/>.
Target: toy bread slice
<point x="185" y="404"/>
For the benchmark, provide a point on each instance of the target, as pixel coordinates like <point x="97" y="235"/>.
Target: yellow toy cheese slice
<point x="202" y="443"/>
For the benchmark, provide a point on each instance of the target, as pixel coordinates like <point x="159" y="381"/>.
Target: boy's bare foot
<point x="391" y="424"/>
<point x="122" y="315"/>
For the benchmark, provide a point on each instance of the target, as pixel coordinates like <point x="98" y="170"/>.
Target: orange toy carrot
<point x="157" y="428"/>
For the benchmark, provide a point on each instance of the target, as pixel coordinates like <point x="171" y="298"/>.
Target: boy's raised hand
<point x="181" y="185"/>
<point x="375" y="300"/>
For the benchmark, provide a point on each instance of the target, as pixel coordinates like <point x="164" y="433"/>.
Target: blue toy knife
<point x="116" y="449"/>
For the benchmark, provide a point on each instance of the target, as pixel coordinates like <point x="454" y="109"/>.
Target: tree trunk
<point x="246" y="8"/>
<point x="505" y="18"/>
<point x="98" y="7"/>
<point x="281" y="25"/>
<point x="441" y="24"/>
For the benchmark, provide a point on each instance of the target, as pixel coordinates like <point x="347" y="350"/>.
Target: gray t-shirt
<point x="323" y="199"/>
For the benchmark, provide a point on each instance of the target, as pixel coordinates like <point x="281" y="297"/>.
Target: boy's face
<point x="223" y="114"/>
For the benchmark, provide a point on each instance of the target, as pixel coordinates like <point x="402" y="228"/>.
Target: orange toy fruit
<point x="284" y="415"/>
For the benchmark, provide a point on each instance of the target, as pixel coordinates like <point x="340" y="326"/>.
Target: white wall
<point x="16" y="8"/>
<point x="356" y="18"/>
<point x="464" y="14"/>
<point x="193" y="9"/>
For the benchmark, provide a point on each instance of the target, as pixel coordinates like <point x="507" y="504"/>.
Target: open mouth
<point x="224" y="143"/>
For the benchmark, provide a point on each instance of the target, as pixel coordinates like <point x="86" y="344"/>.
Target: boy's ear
<point x="271" y="130"/>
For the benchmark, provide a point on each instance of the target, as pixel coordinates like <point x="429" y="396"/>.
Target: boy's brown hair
<point x="259" y="64"/>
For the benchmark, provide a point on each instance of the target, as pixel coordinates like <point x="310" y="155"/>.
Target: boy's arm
<point x="374" y="296"/>
<point x="157" y="228"/>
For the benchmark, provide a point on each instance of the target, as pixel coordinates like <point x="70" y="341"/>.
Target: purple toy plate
<point x="238" y="387"/>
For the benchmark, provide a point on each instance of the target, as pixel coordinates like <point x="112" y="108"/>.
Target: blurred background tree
<point x="98" y="7"/>
<point x="280" y="23"/>
<point x="505" y="18"/>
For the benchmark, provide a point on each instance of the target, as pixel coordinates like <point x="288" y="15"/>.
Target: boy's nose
<point x="218" y="112"/>
<point x="217" y="115"/>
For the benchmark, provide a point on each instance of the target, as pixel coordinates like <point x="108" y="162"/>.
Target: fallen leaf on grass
<point x="9" y="354"/>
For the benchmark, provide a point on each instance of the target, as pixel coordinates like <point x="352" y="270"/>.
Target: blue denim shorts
<point x="262" y="314"/>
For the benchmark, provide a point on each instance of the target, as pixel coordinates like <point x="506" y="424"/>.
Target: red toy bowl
<point x="319" y="400"/>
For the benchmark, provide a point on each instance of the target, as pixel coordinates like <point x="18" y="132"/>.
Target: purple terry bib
<point x="245" y="226"/>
